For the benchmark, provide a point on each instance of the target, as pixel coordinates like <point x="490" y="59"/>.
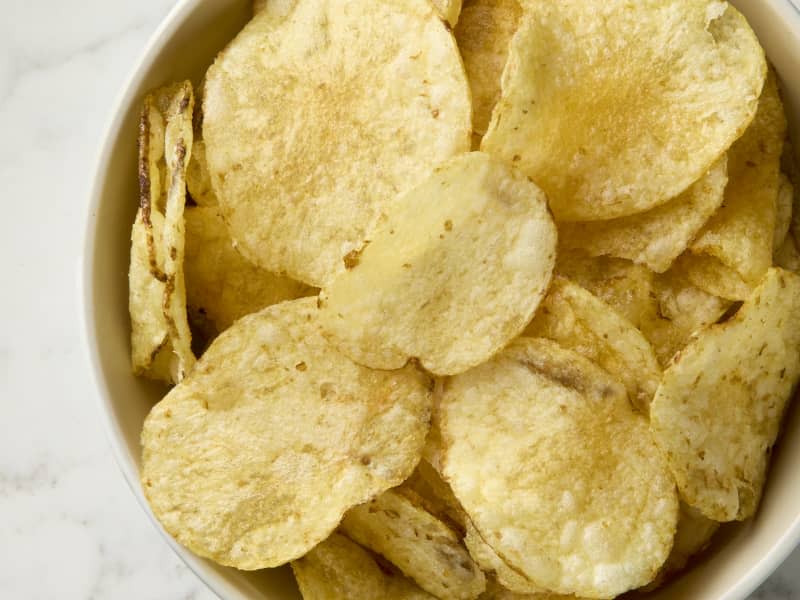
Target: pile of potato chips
<point x="492" y="299"/>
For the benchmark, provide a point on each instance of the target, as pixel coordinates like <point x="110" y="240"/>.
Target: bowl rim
<point x="747" y="582"/>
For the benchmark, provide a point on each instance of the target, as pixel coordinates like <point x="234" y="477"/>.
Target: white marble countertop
<point x="69" y="528"/>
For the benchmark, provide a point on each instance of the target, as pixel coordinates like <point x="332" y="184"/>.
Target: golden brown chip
<point x="588" y="505"/>
<point x="579" y="321"/>
<point x="339" y="569"/>
<point x="160" y="337"/>
<point x="220" y="282"/>
<point x="423" y="547"/>
<point x="237" y="456"/>
<point x="483" y="34"/>
<point x="717" y="411"/>
<point x="456" y="272"/>
<point x="606" y="103"/>
<point x="657" y="237"/>
<point x="787" y="257"/>
<point x="740" y="233"/>
<point x="318" y="115"/>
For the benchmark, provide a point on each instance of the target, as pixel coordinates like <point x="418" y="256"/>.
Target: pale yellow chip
<point x="456" y="272"/>
<point x="423" y="547"/>
<point x="576" y="319"/>
<point x="237" y="457"/>
<point x="160" y="337"/>
<point x="657" y="237"/>
<point x="588" y="505"/>
<point x="483" y="33"/>
<point x="614" y="107"/>
<point x="719" y="406"/>
<point x="339" y="569"/>
<point x="449" y="10"/>
<point x="319" y="114"/>
<point x="713" y="276"/>
<point x="740" y="233"/>
<point x="220" y="282"/>
<point x="783" y="212"/>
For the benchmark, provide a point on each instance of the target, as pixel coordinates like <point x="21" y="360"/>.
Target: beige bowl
<point x="183" y="46"/>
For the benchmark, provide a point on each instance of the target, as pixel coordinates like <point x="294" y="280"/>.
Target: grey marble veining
<point x="69" y="527"/>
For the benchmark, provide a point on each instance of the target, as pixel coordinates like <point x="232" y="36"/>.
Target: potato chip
<point x="740" y="233"/>
<point x="783" y="212"/>
<point x="449" y="10"/>
<point x="318" y="114"/>
<point x="420" y="545"/>
<point x="718" y="409"/>
<point x="578" y="320"/>
<point x="272" y="418"/>
<point x="160" y="337"/>
<point x="198" y="180"/>
<point x="495" y="591"/>
<point x="483" y="33"/>
<point x="713" y="276"/>
<point x="221" y="283"/>
<point x="657" y="237"/>
<point x="456" y="272"/>
<point x="588" y="505"/>
<point x="605" y="103"/>
<point x="339" y="568"/>
<point x="436" y="496"/>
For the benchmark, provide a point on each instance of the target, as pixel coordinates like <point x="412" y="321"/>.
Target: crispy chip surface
<point x="338" y="568"/>
<point x="717" y="411"/>
<point x="593" y="511"/>
<point x="576" y="319"/>
<point x="740" y="233"/>
<point x="614" y="107"/>
<point x="423" y="547"/>
<point x="318" y="114"/>
<point x="483" y="33"/>
<point x="237" y="456"/>
<point x="657" y="237"/>
<point x="220" y="282"/>
<point x="456" y="272"/>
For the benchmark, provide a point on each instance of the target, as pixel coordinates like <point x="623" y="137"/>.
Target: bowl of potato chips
<point x="457" y="299"/>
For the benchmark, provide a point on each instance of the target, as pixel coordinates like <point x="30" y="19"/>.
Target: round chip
<point x="317" y="115"/>
<point x="587" y="506"/>
<point x="614" y="107"/>
<point x="271" y="419"/>
<point x="717" y="411"/>
<point x="455" y="274"/>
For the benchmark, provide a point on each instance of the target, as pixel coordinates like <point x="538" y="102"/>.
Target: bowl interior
<point x="183" y="47"/>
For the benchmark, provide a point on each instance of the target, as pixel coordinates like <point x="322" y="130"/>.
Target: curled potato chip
<point x="657" y="237"/>
<point x="339" y="568"/>
<point x="456" y="272"/>
<point x="588" y="506"/>
<point x="318" y="114"/>
<point x="576" y="319"/>
<point x="423" y="547"/>
<point x="160" y="337"/>
<point x="783" y="213"/>
<point x="740" y="233"/>
<point x="483" y="33"/>
<point x="717" y="411"/>
<point x="605" y="103"/>
<point x="272" y="418"/>
<point x="220" y="282"/>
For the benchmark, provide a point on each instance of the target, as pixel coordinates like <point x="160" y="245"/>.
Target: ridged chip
<point x="339" y="569"/>
<point x="160" y="337"/>
<point x="576" y="319"/>
<point x="740" y="233"/>
<point x="318" y="114"/>
<point x="588" y="505"/>
<point x="454" y="274"/>
<point x="237" y="456"/>
<point x="614" y="107"/>
<point x="423" y="547"/>
<point x="220" y="282"/>
<point x="719" y="406"/>
<point x="483" y="33"/>
<point x="657" y="237"/>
